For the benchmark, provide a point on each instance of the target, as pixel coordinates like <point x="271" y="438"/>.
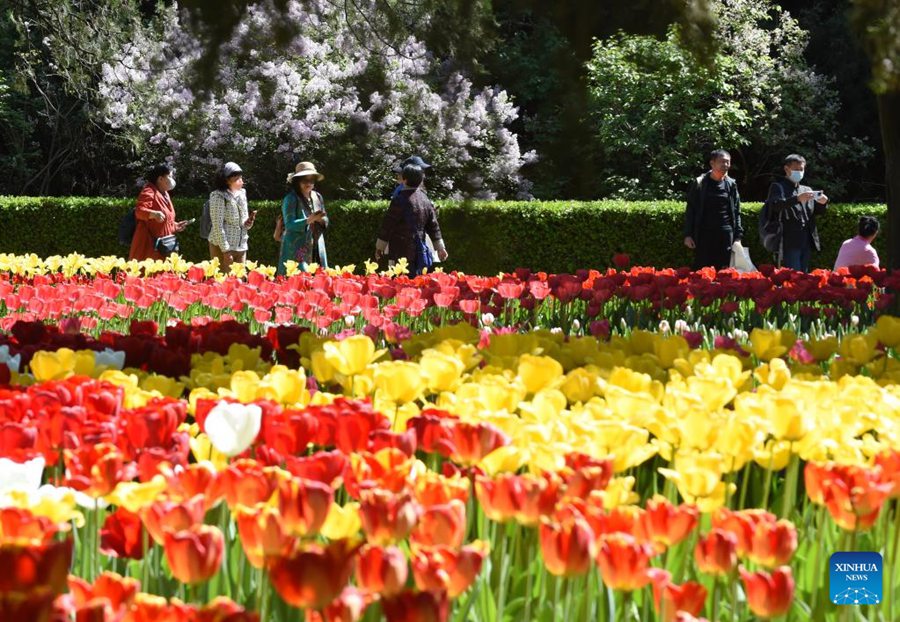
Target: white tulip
<point x="487" y="319"/>
<point x="232" y="428"/>
<point x="24" y="476"/>
<point x="12" y="362"/>
<point x="110" y="359"/>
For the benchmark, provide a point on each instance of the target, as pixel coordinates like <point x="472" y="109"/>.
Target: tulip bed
<point x="178" y="445"/>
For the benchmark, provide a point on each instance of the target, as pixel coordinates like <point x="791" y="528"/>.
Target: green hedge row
<point x="482" y="237"/>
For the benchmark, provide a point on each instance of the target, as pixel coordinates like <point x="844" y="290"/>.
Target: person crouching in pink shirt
<point x="858" y="251"/>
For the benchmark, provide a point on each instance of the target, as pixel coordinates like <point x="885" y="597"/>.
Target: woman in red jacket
<point x="154" y="214"/>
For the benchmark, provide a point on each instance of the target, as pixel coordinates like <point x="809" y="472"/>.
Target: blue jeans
<point x="796" y="256"/>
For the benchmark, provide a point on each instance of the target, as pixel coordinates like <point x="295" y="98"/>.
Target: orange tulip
<point x="669" y="598"/>
<point x="388" y="469"/>
<point x="34" y="606"/>
<point x="853" y="494"/>
<point x="524" y="498"/>
<point x="381" y="570"/>
<point x="122" y="535"/>
<point x="194" y="554"/>
<point x="435" y="489"/>
<point x="194" y="479"/>
<point x="439" y="568"/>
<point x="412" y="606"/>
<point x="349" y="606"/>
<point x="769" y="595"/>
<point x="22" y="526"/>
<point x="665" y="524"/>
<point x="97" y="469"/>
<point x="742" y="524"/>
<point x="889" y="461"/>
<point x="165" y="515"/>
<point x="313" y="575"/>
<point x="112" y="591"/>
<point x="773" y="544"/>
<point x="34" y="568"/>
<point x="568" y="546"/>
<point x="262" y="533"/>
<point x="585" y="474"/>
<point x="386" y="516"/>
<point x="624" y="562"/>
<point x="246" y="482"/>
<point x="151" y="608"/>
<point x="441" y="524"/>
<point x="304" y="505"/>
<point x="222" y="609"/>
<point x="716" y="552"/>
<point x="470" y="442"/>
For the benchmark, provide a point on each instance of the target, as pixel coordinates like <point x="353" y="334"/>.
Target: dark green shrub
<point x="483" y="237"/>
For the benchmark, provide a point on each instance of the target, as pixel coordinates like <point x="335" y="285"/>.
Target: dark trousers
<point x="796" y="254"/>
<point x="713" y="249"/>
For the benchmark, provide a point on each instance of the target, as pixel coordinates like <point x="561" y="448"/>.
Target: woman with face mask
<point x="796" y="206"/>
<point x="154" y="215"/>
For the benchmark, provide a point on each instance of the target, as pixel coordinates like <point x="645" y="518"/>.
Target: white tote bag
<point x="740" y="258"/>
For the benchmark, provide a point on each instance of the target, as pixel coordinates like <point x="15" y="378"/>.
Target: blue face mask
<point x="796" y="176"/>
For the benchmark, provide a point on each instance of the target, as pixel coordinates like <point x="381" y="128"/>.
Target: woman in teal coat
<point x="305" y="220"/>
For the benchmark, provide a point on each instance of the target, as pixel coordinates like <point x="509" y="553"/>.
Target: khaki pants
<point x="226" y="259"/>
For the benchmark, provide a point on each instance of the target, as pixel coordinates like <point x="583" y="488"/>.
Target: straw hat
<point x="305" y="169"/>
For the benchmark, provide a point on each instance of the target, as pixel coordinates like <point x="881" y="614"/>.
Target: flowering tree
<point x="347" y="101"/>
<point x="659" y="110"/>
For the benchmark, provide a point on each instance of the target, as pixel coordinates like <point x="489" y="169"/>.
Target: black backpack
<point x="205" y="221"/>
<point x="126" y="228"/>
<point x="771" y="229"/>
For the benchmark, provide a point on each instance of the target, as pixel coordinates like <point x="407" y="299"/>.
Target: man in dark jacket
<point x="410" y="216"/>
<point x="797" y="206"/>
<point x="712" y="219"/>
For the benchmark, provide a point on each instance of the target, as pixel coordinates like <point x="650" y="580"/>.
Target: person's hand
<point x="822" y="200"/>
<point x="180" y="225"/>
<point x="157" y="215"/>
<point x="315" y="217"/>
<point x="803" y="197"/>
<point x="378" y="255"/>
<point x="250" y="220"/>
<point x="689" y="242"/>
<point x="442" y="254"/>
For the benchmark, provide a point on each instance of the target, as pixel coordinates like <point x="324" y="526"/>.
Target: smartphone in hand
<point x="190" y="222"/>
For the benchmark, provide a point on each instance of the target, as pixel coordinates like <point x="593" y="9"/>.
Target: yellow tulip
<point x="341" y="523"/>
<point x="774" y="455"/>
<point x="775" y="373"/>
<point x="134" y="496"/>
<point x="887" y="328"/>
<point x="58" y="505"/>
<point x="669" y="349"/>
<point x="323" y="370"/>
<point x="163" y="385"/>
<point x="399" y="381"/>
<point x="352" y="355"/>
<point x="508" y="459"/>
<point x="859" y="349"/>
<point x="618" y="492"/>
<point x="580" y="385"/>
<point x="790" y="420"/>
<point x="203" y="451"/>
<point x="538" y="372"/>
<point x="822" y="349"/>
<point x="245" y="386"/>
<point x="442" y="371"/>
<point x="767" y="344"/>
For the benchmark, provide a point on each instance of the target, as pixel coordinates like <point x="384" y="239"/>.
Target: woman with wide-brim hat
<point x="305" y="220"/>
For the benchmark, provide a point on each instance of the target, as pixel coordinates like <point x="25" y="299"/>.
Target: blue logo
<point x="855" y="578"/>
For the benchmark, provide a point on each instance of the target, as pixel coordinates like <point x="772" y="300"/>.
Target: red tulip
<point x="122" y="535"/>
<point x="349" y="606"/>
<point x="439" y="568"/>
<point x="194" y="554"/>
<point x="386" y="516"/>
<point x="96" y="469"/>
<point x="769" y="595"/>
<point x="435" y="489"/>
<point x="568" y="546"/>
<point x="246" y="482"/>
<point x="304" y="505"/>
<point x="31" y="568"/>
<point x="469" y="443"/>
<point x="381" y="570"/>
<point x="716" y="552"/>
<point x="22" y="526"/>
<point x="853" y="494"/>
<point x="525" y="498"/>
<point x="409" y="606"/>
<point x="313" y="575"/>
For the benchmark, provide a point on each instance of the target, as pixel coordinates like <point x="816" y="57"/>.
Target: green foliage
<point x="658" y="110"/>
<point x="482" y="237"/>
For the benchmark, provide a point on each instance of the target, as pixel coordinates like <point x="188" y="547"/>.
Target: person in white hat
<point x="230" y="220"/>
<point x="301" y="229"/>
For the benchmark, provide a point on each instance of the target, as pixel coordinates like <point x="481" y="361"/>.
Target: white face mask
<point x="171" y="182"/>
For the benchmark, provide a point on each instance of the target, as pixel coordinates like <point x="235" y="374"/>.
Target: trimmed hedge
<point x="483" y="237"/>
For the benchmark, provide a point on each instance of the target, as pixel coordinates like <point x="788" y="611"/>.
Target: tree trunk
<point x="889" y="114"/>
